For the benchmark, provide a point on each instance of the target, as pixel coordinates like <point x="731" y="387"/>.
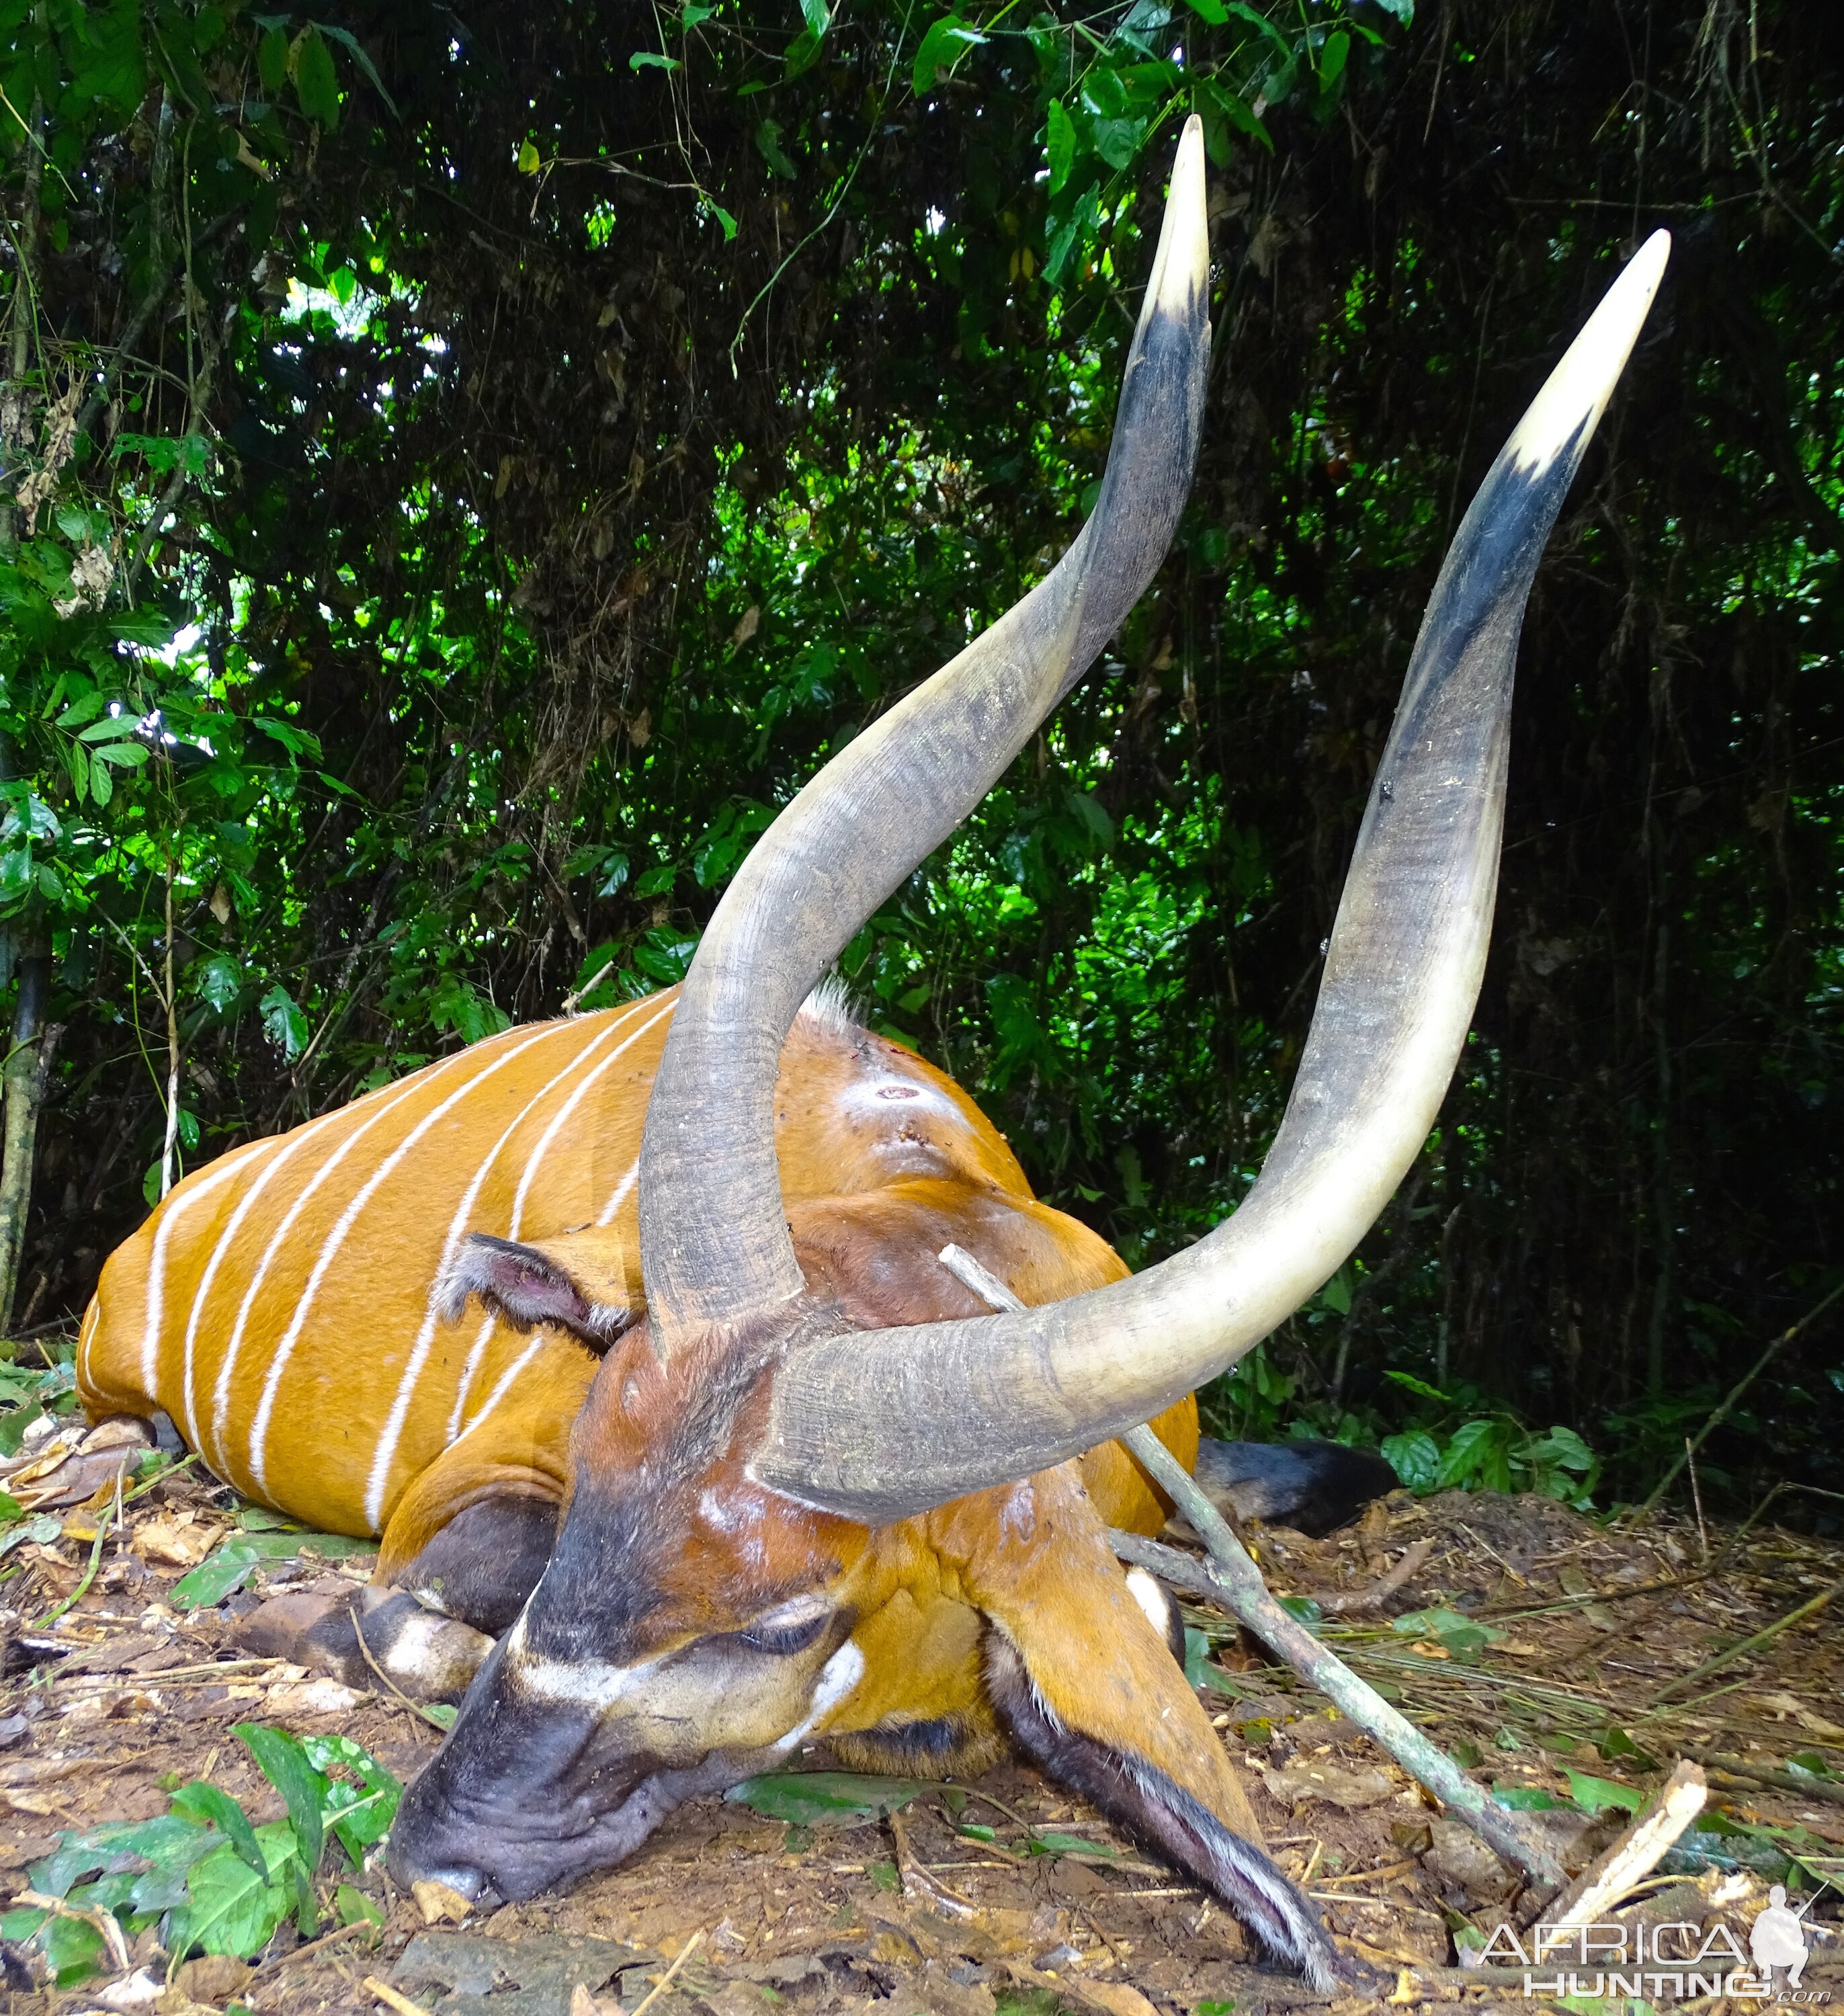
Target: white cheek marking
<point x="259" y="1432"/>
<point x="838" y="1677"/>
<point x="586" y="1682"/>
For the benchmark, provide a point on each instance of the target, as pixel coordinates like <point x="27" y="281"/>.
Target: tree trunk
<point x="28" y="1069"/>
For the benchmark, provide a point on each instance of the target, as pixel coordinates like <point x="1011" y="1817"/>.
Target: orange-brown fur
<point x="884" y="1161"/>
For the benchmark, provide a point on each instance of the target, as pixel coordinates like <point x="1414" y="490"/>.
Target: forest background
<point x="461" y="470"/>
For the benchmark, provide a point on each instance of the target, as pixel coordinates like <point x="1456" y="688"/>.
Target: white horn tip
<point x="1181" y="271"/>
<point x="1563" y="416"/>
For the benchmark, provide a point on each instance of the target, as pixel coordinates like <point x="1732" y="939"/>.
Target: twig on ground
<point x="1343" y="1603"/>
<point x="423" y="1714"/>
<point x="1731" y="1767"/>
<point x="391" y="2000"/>
<point x="315" y="1947"/>
<point x="1807" y="1609"/>
<point x="1237" y="1582"/>
<point x="105" y="1922"/>
<point x="664" y="1982"/>
<point x="918" y="1884"/>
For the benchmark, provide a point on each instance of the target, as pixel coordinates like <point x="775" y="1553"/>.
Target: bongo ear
<point x="582" y="1281"/>
<point x="1087" y="1687"/>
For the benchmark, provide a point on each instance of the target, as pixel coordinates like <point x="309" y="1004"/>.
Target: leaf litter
<point x="225" y="1812"/>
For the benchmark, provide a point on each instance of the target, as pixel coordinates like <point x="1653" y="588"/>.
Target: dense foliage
<point x="464" y="475"/>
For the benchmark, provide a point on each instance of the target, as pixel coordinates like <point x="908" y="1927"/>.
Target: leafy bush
<point x="211" y="1881"/>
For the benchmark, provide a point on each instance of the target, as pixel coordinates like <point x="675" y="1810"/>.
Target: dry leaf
<point x="170" y="1545"/>
<point x="438" y="1902"/>
<point x="1782" y="1704"/>
<point x="1299" y="1783"/>
<point x="317" y="1698"/>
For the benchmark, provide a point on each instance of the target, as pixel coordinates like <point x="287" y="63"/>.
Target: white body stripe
<point x="219" y="1454"/>
<point x="563" y="1114"/>
<point x="477" y="1351"/>
<point x="618" y="1196"/>
<point x="258" y="1444"/>
<point x="202" y="1293"/>
<point x="226" y="1165"/>
<point x="386" y="1452"/>
<point x="506" y="1379"/>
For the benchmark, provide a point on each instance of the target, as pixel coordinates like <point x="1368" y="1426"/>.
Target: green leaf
<point x="803" y="52"/>
<point x="816" y="15"/>
<point x="1197" y="1669"/>
<point x="286" y="1026"/>
<point x="282" y="1761"/>
<point x="824" y="1798"/>
<point x="1595" y="1795"/>
<point x="947" y="40"/>
<point x="1415" y="1459"/>
<point x="10" y="1508"/>
<point x="656" y="881"/>
<point x="1527" y="1799"/>
<point x="316" y="85"/>
<point x="1066" y="1844"/>
<point x="359" y="1819"/>
<point x="723" y="216"/>
<point x="1469" y="1451"/>
<point x="651" y="59"/>
<point x="219" y="981"/>
<point x="1332" y="59"/>
<point x="353" y="1907"/>
<point x="768" y="142"/>
<point x="209" y="1805"/>
<point x="1060" y="144"/>
<point x="228" y="1565"/>
<point x="272" y="61"/>
<point x="528" y="161"/>
<point x="1212" y="10"/>
<point x="356" y="49"/>
<point x="665" y="954"/>
<point x="73" y="1951"/>
<point x="229" y="1908"/>
<point x="1403" y="10"/>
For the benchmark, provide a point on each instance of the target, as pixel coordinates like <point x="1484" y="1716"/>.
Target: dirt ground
<point x="110" y="1706"/>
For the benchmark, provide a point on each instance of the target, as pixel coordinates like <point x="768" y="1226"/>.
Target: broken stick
<point x="1235" y="1582"/>
<point x="1637" y="1852"/>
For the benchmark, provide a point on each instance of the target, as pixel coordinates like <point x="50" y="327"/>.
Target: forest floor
<point x="1565" y="1663"/>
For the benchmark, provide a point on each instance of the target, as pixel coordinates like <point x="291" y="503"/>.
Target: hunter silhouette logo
<point x="1778" y="1939"/>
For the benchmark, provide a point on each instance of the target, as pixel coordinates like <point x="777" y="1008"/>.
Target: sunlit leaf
<point x="1059" y="145"/>
<point x="946" y="42"/>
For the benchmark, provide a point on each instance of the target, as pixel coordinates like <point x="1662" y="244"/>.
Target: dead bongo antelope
<point x="810" y="1488"/>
